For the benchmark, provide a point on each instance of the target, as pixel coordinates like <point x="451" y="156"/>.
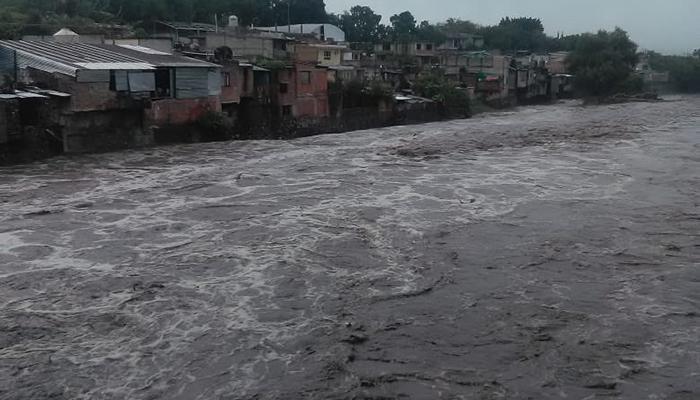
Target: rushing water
<point x="550" y="252"/>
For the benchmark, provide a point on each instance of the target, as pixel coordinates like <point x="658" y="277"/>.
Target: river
<point x="548" y="252"/>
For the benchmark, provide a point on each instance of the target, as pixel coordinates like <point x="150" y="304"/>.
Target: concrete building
<point x="322" y="32"/>
<point x="117" y="93"/>
<point x="308" y="84"/>
<point x="462" y="41"/>
<point x="329" y="55"/>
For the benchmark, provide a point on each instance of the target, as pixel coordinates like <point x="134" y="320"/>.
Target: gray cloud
<point x="669" y="26"/>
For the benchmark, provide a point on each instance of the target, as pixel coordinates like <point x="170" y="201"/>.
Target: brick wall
<point x="181" y="111"/>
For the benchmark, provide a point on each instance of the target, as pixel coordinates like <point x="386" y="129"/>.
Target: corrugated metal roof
<point x="31" y="93"/>
<point x="186" y="26"/>
<point x="68" y="58"/>
<point x="143" y="49"/>
<point x="159" y="59"/>
<point x="48" y="92"/>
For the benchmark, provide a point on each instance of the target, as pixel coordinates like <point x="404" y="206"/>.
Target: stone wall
<point x="102" y="131"/>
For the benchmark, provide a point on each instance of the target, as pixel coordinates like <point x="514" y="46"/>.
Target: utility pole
<point x="289" y="16"/>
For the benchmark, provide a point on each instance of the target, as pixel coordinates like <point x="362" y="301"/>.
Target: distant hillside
<point x="41" y="17"/>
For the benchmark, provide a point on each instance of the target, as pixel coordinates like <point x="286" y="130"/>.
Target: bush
<point x="436" y="87"/>
<point x="215" y="126"/>
<point x="684" y="71"/>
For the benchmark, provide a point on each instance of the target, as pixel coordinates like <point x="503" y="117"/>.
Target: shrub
<point x="215" y="126"/>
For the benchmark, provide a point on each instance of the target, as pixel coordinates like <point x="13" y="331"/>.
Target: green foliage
<point x="430" y="33"/>
<point x="603" y="62"/>
<point x="456" y="25"/>
<point x="44" y="16"/>
<point x="215" y="126"/>
<point x="361" y="24"/>
<point x="524" y="24"/>
<point x="684" y="71"/>
<point x="513" y="34"/>
<point x="435" y="86"/>
<point x="357" y="93"/>
<point x="403" y="26"/>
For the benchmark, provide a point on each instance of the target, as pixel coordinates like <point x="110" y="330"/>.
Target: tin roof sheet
<point x="187" y="26"/>
<point x="72" y="57"/>
<point x="158" y="58"/>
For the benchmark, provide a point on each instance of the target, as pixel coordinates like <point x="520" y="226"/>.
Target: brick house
<point x="117" y="93"/>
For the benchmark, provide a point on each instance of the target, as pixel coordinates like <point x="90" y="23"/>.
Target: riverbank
<point x="260" y="125"/>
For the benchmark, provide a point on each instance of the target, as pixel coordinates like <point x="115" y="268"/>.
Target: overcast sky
<point x="669" y="26"/>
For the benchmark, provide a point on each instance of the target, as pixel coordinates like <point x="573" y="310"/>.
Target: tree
<point x="516" y="34"/>
<point x="430" y="33"/>
<point x="456" y="25"/>
<point x="308" y="11"/>
<point x="603" y="63"/>
<point x="684" y="70"/>
<point x="524" y="24"/>
<point x="403" y="26"/>
<point x="361" y="24"/>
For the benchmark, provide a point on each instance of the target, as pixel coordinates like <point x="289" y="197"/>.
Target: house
<point x="422" y="52"/>
<point x="556" y="63"/>
<point x="247" y="44"/>
<point x="329" y="54"/>
<point x="322" y="32"/>
<point x="181" y="89"/>
<point x="117" y="93"/>
<point x="28" y="124"/>
<point x="654" y="81"/>
<point x="302" y="87"/>
<point x="489" y="74"/>
<point x="182" y="32"/>
<point x="462" y="41"/>
<point x="201" y="38"/>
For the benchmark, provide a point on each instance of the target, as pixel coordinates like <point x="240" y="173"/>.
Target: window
<point x="419" y="46"/>
<point x="306" y="77"/>
<point x="284" y="87"/>
<point x="227" y="79"/>
<point x="429" y="46"/>
<point x="386" y="47"/>
<point x="327" y="55"/>
<point x="286" y="110"/>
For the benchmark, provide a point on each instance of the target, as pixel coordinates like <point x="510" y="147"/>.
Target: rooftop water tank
<point x="233" y="21"/>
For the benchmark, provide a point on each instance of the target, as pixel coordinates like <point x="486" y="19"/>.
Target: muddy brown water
<point x="545" y="253"/>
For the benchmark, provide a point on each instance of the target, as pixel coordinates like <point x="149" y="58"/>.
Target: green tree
<point x="516" y="34"/>
<point x="603" y="63"/>
<point x="456" y="25"/>
<point x="403" y="26"/>
<point x="430" y="33"/>
<point x="523" y="24"/>
<point x="361" y="24"/>
<point x="683" y="70"/>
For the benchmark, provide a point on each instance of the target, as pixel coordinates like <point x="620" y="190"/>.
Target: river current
<point x="550" y="252"/>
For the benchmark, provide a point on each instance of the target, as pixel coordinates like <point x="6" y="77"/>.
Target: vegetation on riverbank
<point x="604" y="63"/>
<point x="684" y="70"/>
